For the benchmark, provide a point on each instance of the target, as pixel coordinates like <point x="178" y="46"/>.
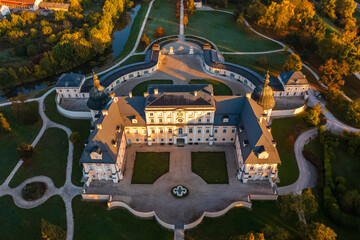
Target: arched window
<point x="180" y="131"/>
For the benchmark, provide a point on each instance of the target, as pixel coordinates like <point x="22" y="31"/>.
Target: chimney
<point x="146" y="94"/>
<point x="248" y="95"/>
<point x="274" y="143"/>
<point x="99" y="126"/>
<point x="156" y="91"/>
<point x="130" y="94"/>
<point x="105" y="112"/>
<point x="112" y="95"/>
<point x="116" y="99"/>
<point x="195" y="93"/>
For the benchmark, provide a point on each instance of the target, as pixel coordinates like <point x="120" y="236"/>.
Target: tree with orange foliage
<point x="160" y="32"/>
<point x="185" y="20"/>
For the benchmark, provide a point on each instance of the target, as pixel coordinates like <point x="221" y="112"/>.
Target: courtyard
<point x="157" y="196"/>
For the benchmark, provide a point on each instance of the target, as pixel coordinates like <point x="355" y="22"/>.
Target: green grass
<point x="93" y="221"/>
<point x="10" y="141"/>
<point x="149" y="166"/>
<point x="49" y="159"/>
<point x="241" y="221"/>
<point x="330" y="25"/>
<point x="162" y="15"/>
<point x="275" y="62"/>
<point x="210" y="166"/>
<point x="81" y="126"/>
<point x="139" y="89"/>
<point x="285" y="131"/>
<point x="352" y="87"/>
<point x="134" y="59"/>
<point x="226" y="33"/>
<point x="220" y="88"/>
<point x="18" y="223"/>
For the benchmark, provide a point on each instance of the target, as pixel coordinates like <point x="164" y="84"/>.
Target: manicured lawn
<point x="274" y="62"/>
<point x="149" y="166"/>
<point x="49" y="159"/>
<point x="18" y="223"/>
<point x="134" y="59"/>
<point x="241" y="221"/>
<point x="139" y="89"/>
<point x="352" y="87"/>
<point x="92" y="219"/>
<point x="210" y="166"/>
<point x="285" y="131"/>
<point x="162" y="15"/>
<point x="81" y="126"/>
<point x="10" y="141"/>
<point x="228" y="35"/>
<point x="220" y="88"/>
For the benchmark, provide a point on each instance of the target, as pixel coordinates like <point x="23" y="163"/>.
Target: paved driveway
<point x="202" y="196"/>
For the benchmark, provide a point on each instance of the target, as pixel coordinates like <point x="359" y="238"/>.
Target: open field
<point x="92" y="220"/>
<point x="17" y="223"/>
<point x="81" y="126"/>
<point x="228" y="35"/>
<point x="10" y="141"/>
<point x="49" y="159"/>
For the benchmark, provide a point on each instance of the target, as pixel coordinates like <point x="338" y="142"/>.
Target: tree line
<point x="58" y="42"/>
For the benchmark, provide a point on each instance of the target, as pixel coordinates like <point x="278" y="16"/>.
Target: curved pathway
<point x="67" y="192"/>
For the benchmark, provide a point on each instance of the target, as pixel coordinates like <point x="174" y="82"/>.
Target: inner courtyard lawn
<point x="10" y="141"/>
<point x="49" y="159"/>
<point x="220" y="88"/>
<point x="81" y="126"/>
<point x="139" y="89"/>
<point x="352" y="87"/>
<point x="210" y="166"/>
<point x="226" y="33"/>
<point x="240" y="221"/>
<point x="285" y="131"/>
<point x="18" y="223"/>
<point x="162" y="15"/>
<point x="149" y="166"/>
<point x="92" y="220"/>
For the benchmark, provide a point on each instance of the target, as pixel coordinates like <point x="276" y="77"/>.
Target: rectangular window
<point x="170" y="140"/>
<point x="199" y="139"/>
<point x="136" y="131"/>
<point x="215" y="130"/>
<point x="190" y="139"/>
<point x="151" y="114"/>
<point x="162" y="139"/>
<point x="152" y="131"/>
<point x="233" y="130"/>
<point x="206" y="139"/>
<point x="199" y="130"/>
<point x="232" y="139"/>
<point x="190" y="130"/>
<point x="161" y="131"/>
<point x="223" y="139"/>
<point x="208" y="113"/>
<point x="224" y="130"/>
<point x="199" y="120"/>
<point x="152" y="120"/>
<point x="207" y="130"/>
<point x="207" y="120"/>
<point x="137" y="139"/>
<point x="170" y="130"/>
<point x="215" y="139"/>
<point x="160" y="120"/>
<point x="90" y="168"/>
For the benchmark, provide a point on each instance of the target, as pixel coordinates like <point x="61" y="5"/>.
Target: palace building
<point x="179" y="115"/>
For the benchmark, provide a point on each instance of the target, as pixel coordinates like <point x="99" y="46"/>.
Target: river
<point x="119" y="38"/>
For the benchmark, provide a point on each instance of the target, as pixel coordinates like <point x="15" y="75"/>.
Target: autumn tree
<point x="317" y="231"/>
<point x="312" y="117"/>
<point x="278" y="15"/>
<point x="75" y="138"/>
<point x="145" y="40"/>
<point x="293" y="63"/>
<point x="353" y="112"/>
<point x="332" y="72"/>
<point x="185" y="20"/>
<point x="160" y="32"/>
<point x="345" y="8"/>
<point x="249" y="236"/>
<point x="190" y="6"/>
<point x="50" y="231"/>
<point x="4" y="125"/>
<point x="25" y="151"/>
<point x="327" y="8"/>
<point x="275" y="233"/>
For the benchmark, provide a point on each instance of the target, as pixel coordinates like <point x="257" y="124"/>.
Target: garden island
<point x="181" y="119"/>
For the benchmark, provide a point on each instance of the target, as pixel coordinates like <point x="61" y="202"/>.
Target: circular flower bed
<point x="33" y="191"/>
<point x="179" y="191"/>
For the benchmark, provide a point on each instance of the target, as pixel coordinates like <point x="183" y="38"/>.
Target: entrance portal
<point x="180" y="142"/>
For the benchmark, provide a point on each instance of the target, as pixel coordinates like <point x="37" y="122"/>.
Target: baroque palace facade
<point x="179" y="115"/>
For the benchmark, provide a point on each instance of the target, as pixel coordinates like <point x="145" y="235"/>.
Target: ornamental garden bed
<point x="33" y="191"/>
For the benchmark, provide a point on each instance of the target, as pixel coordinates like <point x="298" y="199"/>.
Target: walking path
<point x="181" y="32"/>
<point x="67" y="192"/>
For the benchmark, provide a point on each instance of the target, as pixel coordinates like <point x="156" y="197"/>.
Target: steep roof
<point x="293" y="78"/>
<point x="70" y="80"/>
<point x="131" y="108"/>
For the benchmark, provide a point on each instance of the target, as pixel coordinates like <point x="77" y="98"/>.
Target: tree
<point x="249" y="236"/>
<point x="293" y="63"/>
<point x="353" y="112"/>
<point x="308" y="203"/>
<point x="75" y="138"/>
<point x="312" y="117"/>
<point x="317" y="231"/>
<point x="4" y="125"/>
<point x="190" y="6"/>
<point x="327" y="7"/>
<point x="25" y="151"/>
<point x="278" y="15"/>
<point x="275" y="233"/>
<point x="332" y="72"/>
<point x="50" y="231"/>
<point x="185" y="20"/>
<point x="145" y="40"/>
<point x="160" y="32"/>
<point x="345" y="8"/>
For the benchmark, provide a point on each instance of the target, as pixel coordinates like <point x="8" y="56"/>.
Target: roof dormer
<point x="96" y="153"/>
